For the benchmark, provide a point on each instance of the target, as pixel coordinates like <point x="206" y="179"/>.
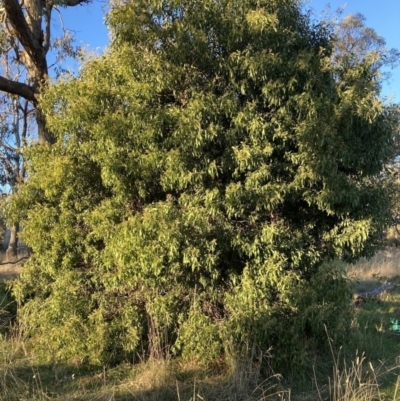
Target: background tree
<point x="14" y="131"/>
<point x="356" y="42"/>
<point x="15" y="114"/>
<point x="198" y="190"/>
<point x="26" y="42"/>
<point x="28" y="26"/>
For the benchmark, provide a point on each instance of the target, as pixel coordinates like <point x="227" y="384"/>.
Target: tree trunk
<point x="12" y="249"/>
<point x="44" y="136"/>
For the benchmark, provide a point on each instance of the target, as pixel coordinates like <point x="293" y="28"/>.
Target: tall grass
<point x="357" y="379"/>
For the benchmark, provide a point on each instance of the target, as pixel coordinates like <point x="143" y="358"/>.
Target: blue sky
<point x="88" y="24"/>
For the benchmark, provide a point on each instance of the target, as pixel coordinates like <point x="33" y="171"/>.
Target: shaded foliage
<point x="206" y="169"/>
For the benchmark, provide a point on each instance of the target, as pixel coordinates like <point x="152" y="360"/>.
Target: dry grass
<point x="383" y="267"/>
<point x="11" y="269"/>
<point x="357" y="380"/>
<point x="20" y="379"/>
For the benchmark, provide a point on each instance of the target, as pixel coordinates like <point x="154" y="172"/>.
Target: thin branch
<point x="25" y="114"/>
<point x="73" y="3"/>
<point x="9" y="148"/>
<point x="61" y="19"/>
<point x="14" y="263"/>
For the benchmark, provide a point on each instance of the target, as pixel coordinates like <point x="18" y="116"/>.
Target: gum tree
<point x="355" y="41"/>
<point x="26" y="42"/>
<point x="197" y="190"/>
<point x="27" y="24"/>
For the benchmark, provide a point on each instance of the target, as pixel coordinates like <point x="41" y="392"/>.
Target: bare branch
<point x="18" y="88"/>
<point x="9" y="148"/>
<point x="73" y="3"/>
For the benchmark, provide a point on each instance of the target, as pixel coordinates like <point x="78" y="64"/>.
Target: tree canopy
<point x="206" y="170"/>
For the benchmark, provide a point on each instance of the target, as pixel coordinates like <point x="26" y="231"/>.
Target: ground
<point x="370" y="274"/>
<point x="9" y="271"/>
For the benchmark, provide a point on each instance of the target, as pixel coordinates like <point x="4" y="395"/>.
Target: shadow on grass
<point x="22" y="379"/>
<point x="152" y="381"/>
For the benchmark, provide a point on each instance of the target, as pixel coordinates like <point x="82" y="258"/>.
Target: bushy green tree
<point x="206" y="170"/>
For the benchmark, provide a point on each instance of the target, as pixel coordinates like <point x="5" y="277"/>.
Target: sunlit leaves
<point x="205" y="169"/>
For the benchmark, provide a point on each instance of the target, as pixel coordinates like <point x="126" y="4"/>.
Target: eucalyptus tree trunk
<point x="12" y="248"/>
<point x="28" y="23"/>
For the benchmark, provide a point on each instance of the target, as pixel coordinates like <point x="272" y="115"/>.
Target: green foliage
<point x="199" y="336"/>
<point x="296" y="324"/>
<point x="205" y="168"/>
<point x="8" y="309"/>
